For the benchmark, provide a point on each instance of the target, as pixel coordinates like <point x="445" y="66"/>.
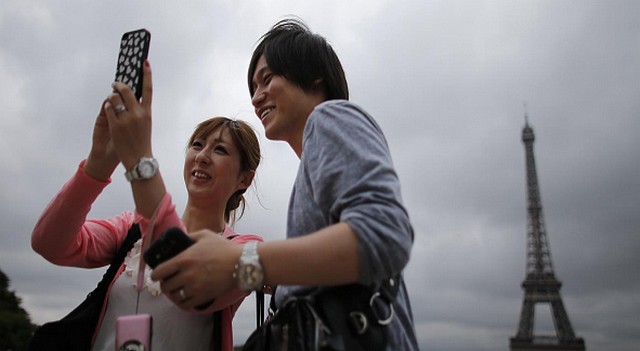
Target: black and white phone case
<point x="134" y="48"/>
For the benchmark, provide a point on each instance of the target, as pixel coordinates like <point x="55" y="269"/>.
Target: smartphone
<point x="133" y="333"/>
<point x="134" y="48"/>
<point x="167" y="245"/>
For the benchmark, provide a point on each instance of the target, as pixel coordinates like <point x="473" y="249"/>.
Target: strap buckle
<point x="359" y="322"/>
<point x="382" y="320"/>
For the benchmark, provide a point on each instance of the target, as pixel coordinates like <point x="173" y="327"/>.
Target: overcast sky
<point x="446" y="80"/>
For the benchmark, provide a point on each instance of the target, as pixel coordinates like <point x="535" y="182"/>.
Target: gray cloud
<point x="446" y="81"/>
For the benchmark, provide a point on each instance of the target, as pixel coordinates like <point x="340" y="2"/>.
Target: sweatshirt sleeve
<point x="63" y="235"/>
<point x="353" y="180"/>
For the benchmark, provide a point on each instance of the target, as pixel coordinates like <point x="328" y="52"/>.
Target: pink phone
<point x="133" y="333"/>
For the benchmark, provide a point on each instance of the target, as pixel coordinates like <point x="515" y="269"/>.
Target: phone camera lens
<point x="132" y="345"/>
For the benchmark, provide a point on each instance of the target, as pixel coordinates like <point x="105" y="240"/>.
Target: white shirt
<point x="173" y="328"/>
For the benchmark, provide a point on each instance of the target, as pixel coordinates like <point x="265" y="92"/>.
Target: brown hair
<point x="245" y="139"/>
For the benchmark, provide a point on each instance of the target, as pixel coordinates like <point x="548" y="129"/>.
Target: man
<point x="347" y="227"/>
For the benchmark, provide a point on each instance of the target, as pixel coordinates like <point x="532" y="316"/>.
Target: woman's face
<point x="212" y="167"/>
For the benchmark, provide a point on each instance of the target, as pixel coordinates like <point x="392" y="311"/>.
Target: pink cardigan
<point x="65" y="237"/>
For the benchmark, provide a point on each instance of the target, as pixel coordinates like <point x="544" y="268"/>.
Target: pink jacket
<point x="64" y="236"/>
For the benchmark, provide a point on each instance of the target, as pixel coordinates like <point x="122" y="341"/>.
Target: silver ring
<point x="119" y="108"/>
<point x="182" y="295"/>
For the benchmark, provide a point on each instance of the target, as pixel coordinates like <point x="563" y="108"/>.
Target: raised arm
<point x="130" y="127"/>
<point x="62" y="234"/>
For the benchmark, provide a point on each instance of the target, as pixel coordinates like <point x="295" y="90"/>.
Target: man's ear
<point x="318" y="88"/>
<point x="317" y="84"/>
<point x="245" y="179"/>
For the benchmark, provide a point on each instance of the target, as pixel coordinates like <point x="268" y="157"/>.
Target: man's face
<point x="281" y="105"/>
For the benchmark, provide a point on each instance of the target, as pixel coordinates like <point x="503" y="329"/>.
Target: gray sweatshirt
<point x="346" y="175"/>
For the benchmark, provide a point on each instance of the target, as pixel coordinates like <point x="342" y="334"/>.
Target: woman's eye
<point x="221" y="149"/>
<point x="196" y="145"/>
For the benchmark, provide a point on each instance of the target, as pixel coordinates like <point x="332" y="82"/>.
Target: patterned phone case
<point x="134" y="48"/>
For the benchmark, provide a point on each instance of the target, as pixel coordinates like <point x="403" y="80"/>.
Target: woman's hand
<point x="202" y="272"/>
<point x="130" y="128"/>
<point x="102" y="159"/>
<point x="129" y="120"/>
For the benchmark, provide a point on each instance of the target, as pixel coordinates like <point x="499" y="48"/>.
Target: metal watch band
<point x="250" y="250"/>
<point x="150" y="166"/>
<point x="249" y="272"/>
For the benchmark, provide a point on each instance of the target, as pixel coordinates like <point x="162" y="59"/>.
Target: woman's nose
<point x="201" y="157"/>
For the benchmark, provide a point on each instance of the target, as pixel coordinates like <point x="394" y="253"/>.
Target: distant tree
<point x="15" y="324"/>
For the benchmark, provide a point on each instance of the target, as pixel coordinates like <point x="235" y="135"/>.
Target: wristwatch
<point x="249" y="273"/>
<point x="146" y="168"/>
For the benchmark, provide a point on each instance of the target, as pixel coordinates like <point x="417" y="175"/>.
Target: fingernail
<point x="146" y="63"/>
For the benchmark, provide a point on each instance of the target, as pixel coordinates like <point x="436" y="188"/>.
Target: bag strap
<point x="259" y="308"/>
<point x="217" y="331"/>
<point x="389" y="288"/>
<point x="132" y="236"/>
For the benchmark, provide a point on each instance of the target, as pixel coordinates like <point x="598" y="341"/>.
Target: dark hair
<point x="294" y="52"/>
<point x="246" y="141"/>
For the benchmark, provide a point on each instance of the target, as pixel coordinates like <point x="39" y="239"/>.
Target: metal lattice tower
<point x="540" y="285"/>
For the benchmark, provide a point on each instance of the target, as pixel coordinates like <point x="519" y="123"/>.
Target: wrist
<point x="248" y="273"/>
<point x="145" y="168"/>
<point x="130" y="160"/>
<point x="100" y="171"/>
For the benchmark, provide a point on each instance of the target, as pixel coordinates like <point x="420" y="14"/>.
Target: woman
<point x="220" y="163"/>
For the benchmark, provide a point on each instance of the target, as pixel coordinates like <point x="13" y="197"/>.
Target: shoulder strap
<point x="132" y="236"/>
<point x="217" y="331"/>
<point x="259" y="308"/>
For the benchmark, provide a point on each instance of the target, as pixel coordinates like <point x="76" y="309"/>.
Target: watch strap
<point x="250" y="250"/>
<point x="249" y="273"/>
<point x="134" y="173"/>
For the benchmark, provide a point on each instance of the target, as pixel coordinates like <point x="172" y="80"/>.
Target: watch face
<point x="146" y="169"/>
<point x="251" y="276"/>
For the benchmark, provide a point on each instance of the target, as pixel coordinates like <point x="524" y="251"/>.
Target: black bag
<point x="75" y="330"/>
<point x="345" y="318"/>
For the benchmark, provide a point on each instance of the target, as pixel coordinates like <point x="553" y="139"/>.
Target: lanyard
<point x="142" y="264"/>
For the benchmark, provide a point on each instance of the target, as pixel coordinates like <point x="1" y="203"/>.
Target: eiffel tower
<point x="540" y="285"/>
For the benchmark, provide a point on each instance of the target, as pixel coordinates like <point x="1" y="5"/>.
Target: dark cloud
<point x="447" y="83"/>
